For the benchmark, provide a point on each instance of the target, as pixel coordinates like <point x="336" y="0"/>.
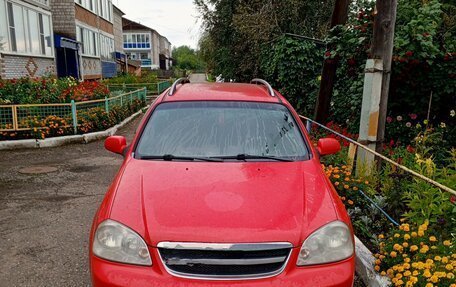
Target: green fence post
<point x="74" y="115"/>
<point x="107" y="105"/>
<point x="158" y="88"/>
<point x="121" y="100"/>
<point x="145" y="95"/>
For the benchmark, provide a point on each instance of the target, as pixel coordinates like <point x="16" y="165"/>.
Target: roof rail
<point x="173" y="89"/>
<point x="263" y="82"/>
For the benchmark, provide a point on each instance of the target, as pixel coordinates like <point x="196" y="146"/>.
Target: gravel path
<point x="45" y="219"/>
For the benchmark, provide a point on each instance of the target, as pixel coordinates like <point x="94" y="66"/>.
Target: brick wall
<point x="63" y="15"/>
<point x="13" y="66"/>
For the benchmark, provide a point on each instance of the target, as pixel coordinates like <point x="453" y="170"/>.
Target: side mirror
<point x="327" y="146"/>
<point x="116" y="144"/>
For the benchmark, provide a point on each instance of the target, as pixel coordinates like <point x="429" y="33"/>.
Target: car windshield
<point x="234" y="130"/>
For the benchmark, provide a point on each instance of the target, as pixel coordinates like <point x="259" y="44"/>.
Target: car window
<point x="211" y="129"/>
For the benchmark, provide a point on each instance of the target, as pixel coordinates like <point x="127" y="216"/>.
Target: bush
<point x="49" y="90"/>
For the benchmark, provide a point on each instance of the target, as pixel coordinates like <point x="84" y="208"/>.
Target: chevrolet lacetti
<point x="221" y="186"/>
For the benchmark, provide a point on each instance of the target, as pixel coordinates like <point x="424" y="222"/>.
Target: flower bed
<point x="42" y="108"/>
<point x="49" y="90"/>
<point x="411" y="252"/>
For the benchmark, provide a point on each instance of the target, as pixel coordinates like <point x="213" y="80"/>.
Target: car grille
<point x="224" y="261"/>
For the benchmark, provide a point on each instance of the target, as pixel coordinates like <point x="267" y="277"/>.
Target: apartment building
<point x="165" y="54"/>
<point x="146" y="45"/>
<point x="26" y="42"/>
<point x="84" y="36"/>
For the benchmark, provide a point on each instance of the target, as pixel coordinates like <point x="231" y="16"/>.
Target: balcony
<point x="146" y="63"/>
<point x="136" y="45"/>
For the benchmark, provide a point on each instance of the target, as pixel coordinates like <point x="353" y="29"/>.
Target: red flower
<point x="413" y="116"/>
<point x="409" y="53"/>
<point x="453" y="199"/>
<point x="410" y="149"/>
<point x="328" y="54"/>
<point x="391" y="144"/>
<point x="389" y="120"/>
<point x="351" y="62"/>
<point x="426" y="34"/>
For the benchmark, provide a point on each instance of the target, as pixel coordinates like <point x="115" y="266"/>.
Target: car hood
<point x="223" y="202"/>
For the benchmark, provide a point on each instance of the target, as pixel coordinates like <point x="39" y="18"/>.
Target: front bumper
<point x="109" y="274"/>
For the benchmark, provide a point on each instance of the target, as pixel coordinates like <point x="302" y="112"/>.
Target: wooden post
<point x="328" y="75"/>
<point x="382" y="48"/>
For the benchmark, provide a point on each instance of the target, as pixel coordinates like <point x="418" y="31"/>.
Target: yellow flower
<point x="406" y="236"/>
<point x="381" y="236"/>
<point x="414" y="234"/>
<point x="427" y="273"/>
<point x="449" y="267"/>
<point x="434" y="279"/>
<point x="405" y="244"/>
<point x="437" y="258"/>
<point x="432" y="239"/>
<point x="445" y="260"/>
<point x="447" y="242"/>
<point x="429" y="285"/>
<point x="393" y="254"/>
<point x="413" y="248"/>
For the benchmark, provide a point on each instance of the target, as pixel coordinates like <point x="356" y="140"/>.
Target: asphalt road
<point x="197" y="78"/>
<point x="45" y="219"/>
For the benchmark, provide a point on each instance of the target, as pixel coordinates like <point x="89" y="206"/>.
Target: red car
<point x="221" y="186"/>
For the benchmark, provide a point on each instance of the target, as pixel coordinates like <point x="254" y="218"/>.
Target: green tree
<point x="187" y="58"/>
<point x="238" y="30"/>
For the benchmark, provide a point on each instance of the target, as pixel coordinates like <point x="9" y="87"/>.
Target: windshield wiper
<point x="244" y="157"/>
<point x="170" y="157"/>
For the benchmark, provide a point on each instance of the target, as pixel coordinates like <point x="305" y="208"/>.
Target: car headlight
<point x="116" y="242"/>
<point x="332" y="242"/>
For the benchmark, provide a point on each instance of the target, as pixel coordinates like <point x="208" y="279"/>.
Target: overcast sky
<point x="174" y="19"/>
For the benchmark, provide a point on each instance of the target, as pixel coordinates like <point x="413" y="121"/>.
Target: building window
<point x="4" y="43"/>
<point x="89" y="40"/>
<point x="137" y="41"/>
<point x="105" y="9"/>
<point x="88" y="4"/>
<point x="25" y="30"/>
<point x="107" y="47"/>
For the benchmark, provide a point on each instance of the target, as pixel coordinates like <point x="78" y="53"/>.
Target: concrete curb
<point x="65" y="140"/>
<point x="365" y="262"/>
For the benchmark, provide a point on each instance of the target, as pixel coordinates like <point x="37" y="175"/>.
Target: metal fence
<point x="153" y="89"/>
<point x="24" y="117"/>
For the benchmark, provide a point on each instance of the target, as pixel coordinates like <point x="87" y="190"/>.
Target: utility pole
<point x="328" y="75"/>
<point x="382" y="47"/>
<point x="376" y="84"/>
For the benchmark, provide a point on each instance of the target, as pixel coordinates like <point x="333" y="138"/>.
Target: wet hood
<point x="223" y="202"/>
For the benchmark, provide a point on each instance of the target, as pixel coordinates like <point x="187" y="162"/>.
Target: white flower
<point x="408" y="124"/>
<point x="452" y="113"/>
<point x="399" y="118"/>
<point x="442" y="125"/>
